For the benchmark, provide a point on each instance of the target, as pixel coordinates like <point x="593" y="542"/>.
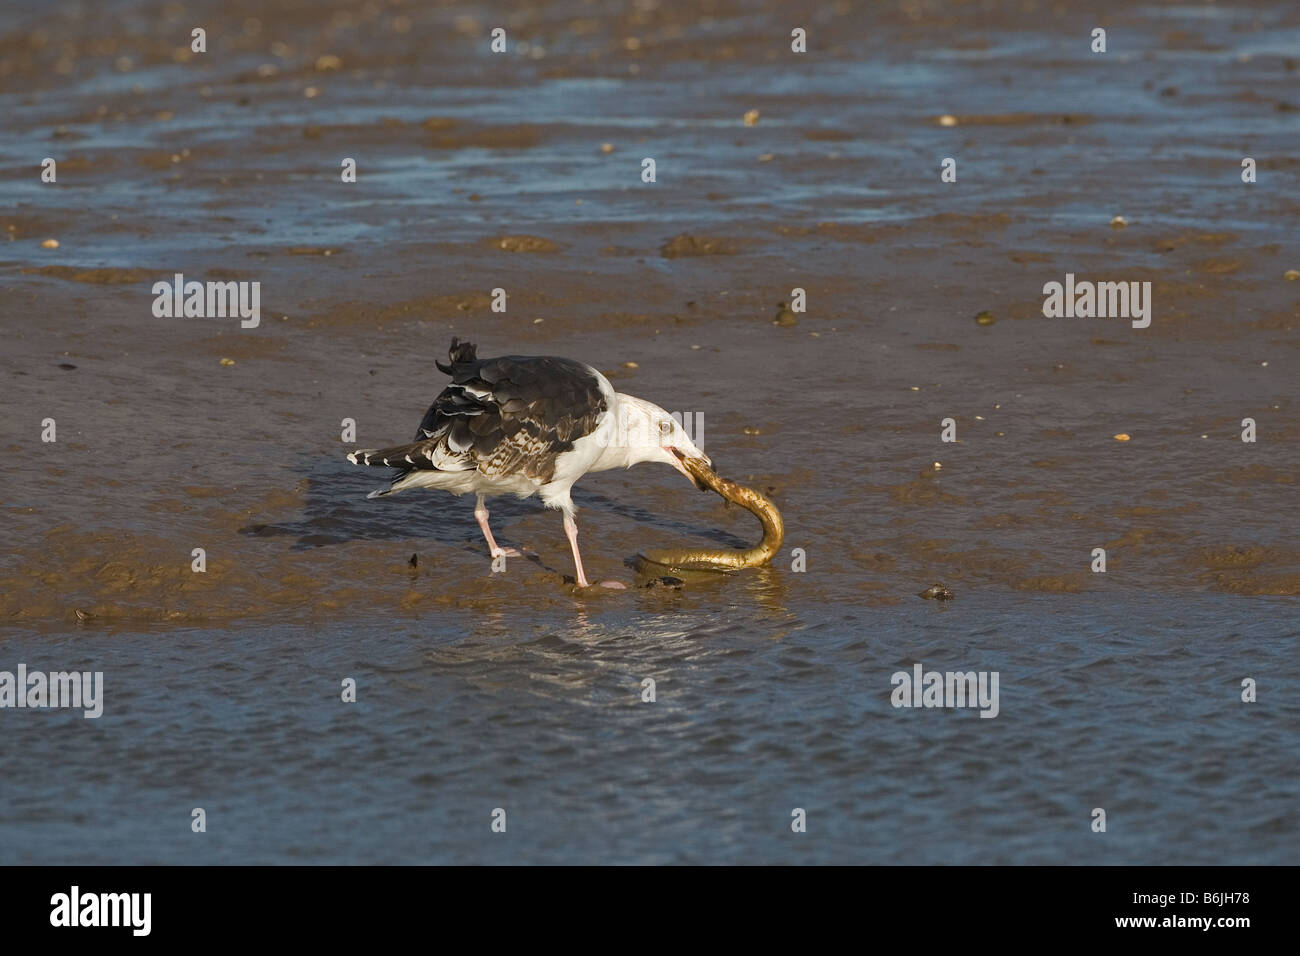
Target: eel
<point x="657" y="560"/>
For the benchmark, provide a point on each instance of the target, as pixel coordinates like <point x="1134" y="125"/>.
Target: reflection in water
<point x="544" y="714"/>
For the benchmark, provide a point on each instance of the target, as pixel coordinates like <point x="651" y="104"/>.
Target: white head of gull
<point x="526" y="425"/>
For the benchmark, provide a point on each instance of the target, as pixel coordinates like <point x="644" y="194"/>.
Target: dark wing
<point x="502" y="416"/>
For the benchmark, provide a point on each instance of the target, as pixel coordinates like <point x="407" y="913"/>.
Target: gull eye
<point x="665" y="428"/>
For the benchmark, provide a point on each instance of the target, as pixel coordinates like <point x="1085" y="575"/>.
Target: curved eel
<point x="656" y="560"/>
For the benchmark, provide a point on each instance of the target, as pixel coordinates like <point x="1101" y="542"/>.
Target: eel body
<point x="656" y="560"/>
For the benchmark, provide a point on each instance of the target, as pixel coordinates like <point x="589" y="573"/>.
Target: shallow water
<point x="1129" y="705"/>
<point x="1118" y="690"/>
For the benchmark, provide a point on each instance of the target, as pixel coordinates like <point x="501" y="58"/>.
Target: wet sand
<point x="478" y="171"/>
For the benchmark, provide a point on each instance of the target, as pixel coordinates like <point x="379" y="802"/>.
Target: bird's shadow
<point x="335" y="510"/>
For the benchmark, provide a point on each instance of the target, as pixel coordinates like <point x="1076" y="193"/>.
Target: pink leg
<point x="571" y="529"/>
<point x="481" y="513"/>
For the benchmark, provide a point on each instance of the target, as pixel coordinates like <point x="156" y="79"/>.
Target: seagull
<point x="526" y="425"/>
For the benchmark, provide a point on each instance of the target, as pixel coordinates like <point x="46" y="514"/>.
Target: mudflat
<point x="524" y="172"/>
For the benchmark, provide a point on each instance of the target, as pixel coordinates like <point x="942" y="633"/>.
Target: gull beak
<point x="686" y="465"/>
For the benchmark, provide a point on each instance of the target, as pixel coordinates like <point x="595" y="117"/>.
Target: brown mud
<point x="227" y="167"/>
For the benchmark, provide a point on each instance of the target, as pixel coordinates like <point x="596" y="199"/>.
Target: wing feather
<point x="501" y="416"/>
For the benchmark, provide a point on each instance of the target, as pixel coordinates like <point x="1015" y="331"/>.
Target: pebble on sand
<point x="1119" y="222"/>
<point x="630" y="365"/>
<point x="785" y="316"/>
<point x="937" y="592"/>
<point x="50" y="244"/>
<point x="227" y="361"/>
<point x="947" y="119"/>
<point x="751" y="117"/>
<point x="1291" y="275"/>
<point x="607" y="147"/>
<point x="327" y="62"/>
<point x="985" y="318"/>
<point x="1123" y="436"/>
